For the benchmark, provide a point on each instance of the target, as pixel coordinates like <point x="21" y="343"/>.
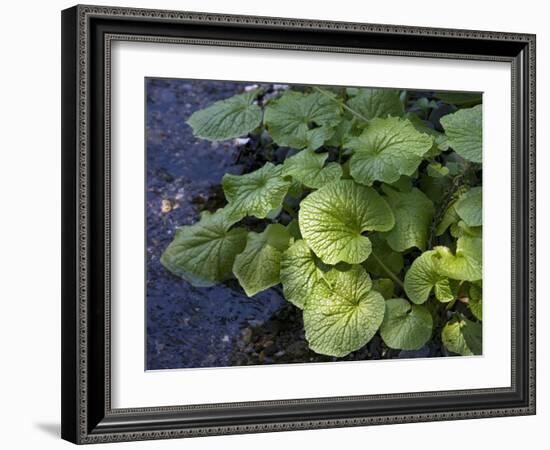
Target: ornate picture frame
<point x="88" y="33"/>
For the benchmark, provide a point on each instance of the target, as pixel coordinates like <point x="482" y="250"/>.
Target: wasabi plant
<point x="370" y="220"/>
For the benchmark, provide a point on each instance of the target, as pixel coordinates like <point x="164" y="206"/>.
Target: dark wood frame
<point x="87" y="32"/>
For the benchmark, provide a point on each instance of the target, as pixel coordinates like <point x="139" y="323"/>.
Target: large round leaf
<point x="469" y="208"/>
<point x="462" y="336"/>
<point x="301" y="120"/>
<point x="299" y="273"/>
<point x="387" y="149"/>
<point x="203" y="253"/>
<point x="258" y="267"/>
<point x="413" y="213"/>
<point x="423" y="276"/>
<point x="406" y="326"/>
<point x="309" y="168"/>
<point x="385" y="286"/>
<point x="371" y="102"/>
<point x="343" y="314"/>
<point x="464" y="132"/>
<point x="333" y="219"/>
<point x="466" y="264"/>
<point x="229" y="118"/>
<point x="255" y="193"/>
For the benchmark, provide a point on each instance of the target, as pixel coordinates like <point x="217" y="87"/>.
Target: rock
<point x="246" y="335"/>
<point x="270" y="350"/>
<point x="423" y="352"/>
<point x="297" y="348"/>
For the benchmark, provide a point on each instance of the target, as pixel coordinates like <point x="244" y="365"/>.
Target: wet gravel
<point x="188" y="326"/>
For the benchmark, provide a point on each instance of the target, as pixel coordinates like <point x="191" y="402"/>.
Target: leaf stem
<point x="342" y="104"/>
<point x="390" y="273"/>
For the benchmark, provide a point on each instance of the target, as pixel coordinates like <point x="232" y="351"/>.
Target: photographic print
<point x="303" y="224"/>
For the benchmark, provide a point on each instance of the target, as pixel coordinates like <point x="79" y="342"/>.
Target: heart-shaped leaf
<point x="385" y="286"/>
<point x="301" y="120"/>
<point x="413" y="213"/>
<point x="423" y="276"/>
<point x="469" y="208"/>
<point x="256" y="193"/>
<point x="258" y="267"/>
<point x="203" y="253"/>
<point x="387" y="149"/>
<point x="299" y="273"/>
<point x="371" y="102"/>
<point x="229" y="118"/>
<point x="466" y="264"/>
<point x="463" y="130"/>
<point x="462" y="336"/>
<point x="343" y="313"/>
<point x="406" y="326"/>
<point x="333" y="219"/>
<point x="309" y="168"/>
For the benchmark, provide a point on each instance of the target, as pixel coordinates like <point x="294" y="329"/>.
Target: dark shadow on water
<point x="53" y="429"/>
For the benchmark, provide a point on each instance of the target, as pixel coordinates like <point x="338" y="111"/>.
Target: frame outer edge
<point x="75" y="238"/>
<point x="69" y="289"/>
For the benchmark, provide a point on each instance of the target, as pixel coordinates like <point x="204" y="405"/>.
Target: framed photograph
<point x="279" y="224"/>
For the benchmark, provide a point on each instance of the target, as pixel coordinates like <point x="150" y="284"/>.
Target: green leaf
<point x="463" y="129"/>
<point x="278" y="236"/>
<point x="344" y="313"/>
<point x="258" y="267"/>
<point x="385" y="286"/>
<point x="435" y="188"/>
<point x="476" y="302"/>
<point x="333" y="219"/>
<point x="449" y="218"/>
<point x="436" y="170"/>
<point x="423" y="276"/>
<point x="309" y="168"/>
<point x="424" y="105"/>
<point x="386" y="149"/>
<point x="406" y="326"/>
<point x="468" y="207"/>
<point x="413" y="213"/>
<point x="439" y="139"/>
<point x="392" y="260"/>
<point x="299" y="273"/>
<point x="203" y="253"/>
<point x="460" y="229"/>
<point x="466" y="264"/>
<point x="294" y="229"/>
<point x="341" y="133"/>
<point x="403" y="184"/>
<point x="255" y="193"/>
<point x="301" y="120"/>
<point x="226" y="119"/>
<point x="446" y="290"/>
<point x="462" y="336"/>
<point x="371" y="103"/>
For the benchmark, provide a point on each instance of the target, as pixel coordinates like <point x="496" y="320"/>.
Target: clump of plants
<point x="371" y="220"/>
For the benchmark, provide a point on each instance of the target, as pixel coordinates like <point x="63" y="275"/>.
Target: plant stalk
<point x="342" y="104"/>
<point x="390" y="273"/>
